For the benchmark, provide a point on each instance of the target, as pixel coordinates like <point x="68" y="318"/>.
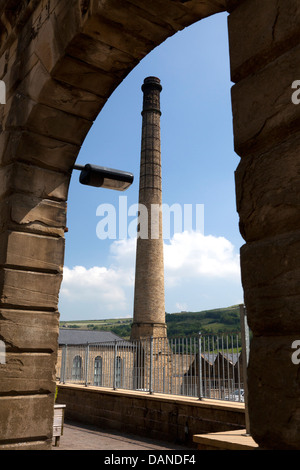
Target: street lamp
<point x="102" y="177"/>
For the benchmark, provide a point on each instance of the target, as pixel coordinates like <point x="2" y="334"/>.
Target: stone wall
<point x="263" y="52"/>
<point x="60" y="61"/>
<point x="167" y="418"/>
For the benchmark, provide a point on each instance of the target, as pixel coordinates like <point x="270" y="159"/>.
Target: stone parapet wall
<point x="60" y="61"/>
<point x="164" y="417"/>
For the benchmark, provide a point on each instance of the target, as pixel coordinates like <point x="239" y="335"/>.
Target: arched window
<point x="98" y="371"/>
<point x="77" y="368"/>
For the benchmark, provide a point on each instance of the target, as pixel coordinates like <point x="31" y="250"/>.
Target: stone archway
<point x="60" y="61"/>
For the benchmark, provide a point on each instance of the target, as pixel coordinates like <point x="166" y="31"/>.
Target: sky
<point x="202" y="266"/>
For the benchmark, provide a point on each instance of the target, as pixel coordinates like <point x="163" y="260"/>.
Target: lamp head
<point x="102" y="177"/>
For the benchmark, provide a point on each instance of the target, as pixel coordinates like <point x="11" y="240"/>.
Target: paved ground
<point x="86" y="437"/>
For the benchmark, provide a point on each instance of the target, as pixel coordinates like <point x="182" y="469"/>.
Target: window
<point x="98" y="371"/>
<point x="77" y="368"/>
<point x="118" y="365"/>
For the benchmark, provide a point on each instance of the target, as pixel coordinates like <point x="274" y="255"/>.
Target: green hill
<point x="208" y="321"/>
<point x="219" y="320"/>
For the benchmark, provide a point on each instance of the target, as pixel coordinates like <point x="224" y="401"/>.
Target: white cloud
<point x="100" y="292"/>
<point x="190" y="258"/>
<point x="201" y="272"/>
<point x="194" y="255"/>
<point x="94" y="282"/>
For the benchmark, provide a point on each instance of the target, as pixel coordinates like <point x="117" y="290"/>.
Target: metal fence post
<point x="63" y="365"/>
<point x="115" y="366"/>
<point x="245" y="359"/>
<point x="151" y="366"/>
<point x="87" y="351"/>
<point x="200" y="365"/>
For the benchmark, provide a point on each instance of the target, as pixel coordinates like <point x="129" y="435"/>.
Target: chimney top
<point x="152" y="82"/>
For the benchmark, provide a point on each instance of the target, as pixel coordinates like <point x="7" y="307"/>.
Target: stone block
<point x="38" y="149"/>
<point x="15" y="69"/>
<point x="24" y="113"/>
<point x="81" y="75"/>
<point x="258" y="34"/>
<point x="27" y="372"/>
<point x="110" y="34"/>
<point x="140" y="24"/>
<point x="271" y="280"/>
<point x="267" y="191"/>
<point x="29" y="289"/>
<point x="274" y="382"/>
<point x="72" y="100"/>
<point x="4" y="215"/>
<point x="4" y="140"/>
<point x="32" y="215"/>
<point x="26" y="250"/>
<point x="16" y="112"/>
<point x="176" y="15"/>
<point x="26" y="417"/>
<point x="25" y="329"/>
<point x="58" y="124"/>
<point x="263" y="112"/>
<point x="41" y="12"/>
<point x="100" y="55"/>
<point x="5" y="178"/>
<point x="33" y="180"/>
<point x="46" y="42"/>
<point x="37" y="215"/>
<point x="40" y="182"/>
<point x="40" y="87"/>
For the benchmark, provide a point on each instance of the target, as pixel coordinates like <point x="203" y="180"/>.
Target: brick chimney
<point x="149" y="296"/>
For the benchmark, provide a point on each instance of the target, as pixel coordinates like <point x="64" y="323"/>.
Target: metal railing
<point x="205" y="366"/>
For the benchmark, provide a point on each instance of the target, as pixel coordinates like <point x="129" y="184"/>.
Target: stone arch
<point x="60" y="61"/>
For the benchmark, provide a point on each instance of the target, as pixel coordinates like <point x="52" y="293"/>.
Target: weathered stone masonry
<point x="60" y="61"/>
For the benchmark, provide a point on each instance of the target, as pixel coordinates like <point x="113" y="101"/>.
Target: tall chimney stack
<point x="149" y="296"/>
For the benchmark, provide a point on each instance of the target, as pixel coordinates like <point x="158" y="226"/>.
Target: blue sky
<point x="198" y="164"/>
